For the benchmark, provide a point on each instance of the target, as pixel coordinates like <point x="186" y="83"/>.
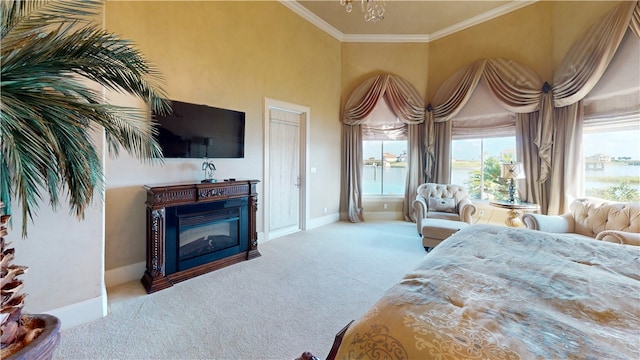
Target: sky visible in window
<point x="371" y="149"/>
<point x="469" y="149"/>
<point x="615" y="143"/>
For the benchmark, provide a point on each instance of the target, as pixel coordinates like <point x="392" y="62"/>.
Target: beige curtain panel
<point x="514" y="86"/>
<point x="407" y="104"/>
<point x="635" y="20"/>
<point x="577" y="75"/>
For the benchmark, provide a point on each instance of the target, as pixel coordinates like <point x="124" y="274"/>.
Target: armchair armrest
<point x="466" y="210"/>
<point x="549" y="223"/>
<point x="619" y="237"/>
<point x="420" y="208"/>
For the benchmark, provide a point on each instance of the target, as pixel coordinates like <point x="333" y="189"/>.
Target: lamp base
<point x="512" y="191"/>
<point x="513" y="219"/>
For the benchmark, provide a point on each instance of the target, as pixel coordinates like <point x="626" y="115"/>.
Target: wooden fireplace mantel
<point x="160" y="197"/>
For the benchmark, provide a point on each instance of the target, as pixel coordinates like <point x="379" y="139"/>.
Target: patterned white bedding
<point x="492" y="292"/>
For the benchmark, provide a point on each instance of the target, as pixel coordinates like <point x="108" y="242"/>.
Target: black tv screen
<point x="201" y="131"/>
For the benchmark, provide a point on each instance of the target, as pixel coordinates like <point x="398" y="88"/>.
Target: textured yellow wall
<point x="228" y="54"/>
<point x="570" y="19"/>
<point x="360" y="61"/>
<point x="523" y="35"/>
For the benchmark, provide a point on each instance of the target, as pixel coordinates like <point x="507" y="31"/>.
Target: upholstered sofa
<point x="593" y="218"/>
<point x="442" y="201"/>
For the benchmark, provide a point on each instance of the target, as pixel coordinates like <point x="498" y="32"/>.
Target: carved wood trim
<point x="161" y="196"/>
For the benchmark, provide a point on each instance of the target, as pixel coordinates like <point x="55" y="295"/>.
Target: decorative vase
<point x="43" y="346"/>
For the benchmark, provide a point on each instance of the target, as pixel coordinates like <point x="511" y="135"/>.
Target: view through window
<point x="470" y="156"/>
<point x="385" y="167"/>
<point x="612" y="163"/>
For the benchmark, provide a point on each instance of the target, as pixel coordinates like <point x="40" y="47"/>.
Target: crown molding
<point x="313" y="18"/>
<point x="386" y="38"/>
<point x="406" y="38"/>
<point x="489" y="15"/>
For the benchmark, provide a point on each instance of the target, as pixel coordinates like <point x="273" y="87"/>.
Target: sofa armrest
<point x="549" y="223"/>
<point x="619" y="237"/>
<point x="466" y="210"/>
<point x="420" y="208"/>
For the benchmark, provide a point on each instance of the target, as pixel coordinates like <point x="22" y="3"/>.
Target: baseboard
<point x="383" y="215"/>
<point x="323" y="220"/>
<point x="81" y="313"/>
<point x="124" y="274"/>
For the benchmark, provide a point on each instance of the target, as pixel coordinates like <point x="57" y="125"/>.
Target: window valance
<point x="514" y="86"/>
<point x="591" y="54"/>
<point x="403" y="99"/>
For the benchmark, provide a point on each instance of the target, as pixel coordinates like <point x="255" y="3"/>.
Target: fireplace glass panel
<point x="201" y="234"/>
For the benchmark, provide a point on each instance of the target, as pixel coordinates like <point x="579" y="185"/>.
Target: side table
<point x="513" y="217"/>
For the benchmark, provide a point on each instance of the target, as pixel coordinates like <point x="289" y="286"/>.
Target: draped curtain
<point x="549" y="118"/>
<point x="407" y="104"/>
<point x="550" y="115"/>
<point x="514" y="87"/>
<point x="576" y="76"/>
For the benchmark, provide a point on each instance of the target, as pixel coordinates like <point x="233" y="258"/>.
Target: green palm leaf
<point x="47" y="113"/>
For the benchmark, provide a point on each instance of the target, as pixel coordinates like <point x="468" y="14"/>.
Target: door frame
<point x="305" y="115"/>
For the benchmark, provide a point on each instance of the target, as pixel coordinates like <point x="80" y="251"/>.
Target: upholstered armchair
<point x="442" y="201"/>
<point x="593" y="218"/>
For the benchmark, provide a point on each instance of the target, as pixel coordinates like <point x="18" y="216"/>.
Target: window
<point x="384" y="167"/>
<point x="612" y="162"/>
<point x="384" y="152"/>
<point x="475" y="164"/>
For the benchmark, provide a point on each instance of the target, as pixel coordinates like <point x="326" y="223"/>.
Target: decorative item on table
<point x="208" y="167"/>
<point x="512" y="171"/>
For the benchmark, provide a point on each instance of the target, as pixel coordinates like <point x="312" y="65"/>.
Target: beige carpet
<point x="295" y="297"/>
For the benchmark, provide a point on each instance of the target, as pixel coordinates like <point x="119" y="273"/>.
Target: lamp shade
<point x="512" y="171"/>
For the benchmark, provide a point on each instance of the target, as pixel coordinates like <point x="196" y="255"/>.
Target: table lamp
<point x="512" y="171"/>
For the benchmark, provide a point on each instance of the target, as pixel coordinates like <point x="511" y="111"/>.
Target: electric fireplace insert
<point x="199" y="234"/>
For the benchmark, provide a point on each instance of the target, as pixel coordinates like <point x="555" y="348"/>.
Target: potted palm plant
<point x="52" y="54"/>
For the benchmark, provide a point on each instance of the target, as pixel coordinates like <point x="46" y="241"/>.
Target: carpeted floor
<point x="295" y="297"/>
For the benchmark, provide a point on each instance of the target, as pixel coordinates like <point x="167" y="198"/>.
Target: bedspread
<point x="492" y="292"/>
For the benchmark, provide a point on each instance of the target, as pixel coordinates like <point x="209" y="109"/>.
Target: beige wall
<point x="521" y="36"/>
<point x="361" y="61"/>
<point x="229" y="55"/>
<point x="570" y="19"/>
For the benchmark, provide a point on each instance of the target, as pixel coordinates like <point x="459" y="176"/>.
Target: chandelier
<point x="373" y="9"/>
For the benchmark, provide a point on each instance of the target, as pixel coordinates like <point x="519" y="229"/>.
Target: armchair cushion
<point x="442" y="204"/>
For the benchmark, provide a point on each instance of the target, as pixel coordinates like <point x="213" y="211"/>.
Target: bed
<point x="491" y="292"/>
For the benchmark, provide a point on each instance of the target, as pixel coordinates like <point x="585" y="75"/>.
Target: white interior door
<point x="284" y="172"/>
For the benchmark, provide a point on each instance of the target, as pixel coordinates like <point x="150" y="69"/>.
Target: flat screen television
<point x="201" y="131"/>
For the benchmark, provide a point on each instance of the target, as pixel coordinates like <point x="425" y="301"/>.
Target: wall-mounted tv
<point x="201" y="131"/>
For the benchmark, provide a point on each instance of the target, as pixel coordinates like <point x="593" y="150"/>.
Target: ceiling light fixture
<point x="373" y="9"/>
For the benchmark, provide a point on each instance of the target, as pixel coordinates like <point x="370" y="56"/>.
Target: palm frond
<point x="49" y="50"/>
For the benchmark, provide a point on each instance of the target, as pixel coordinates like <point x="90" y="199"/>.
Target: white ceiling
<point x="404" y="21"/>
